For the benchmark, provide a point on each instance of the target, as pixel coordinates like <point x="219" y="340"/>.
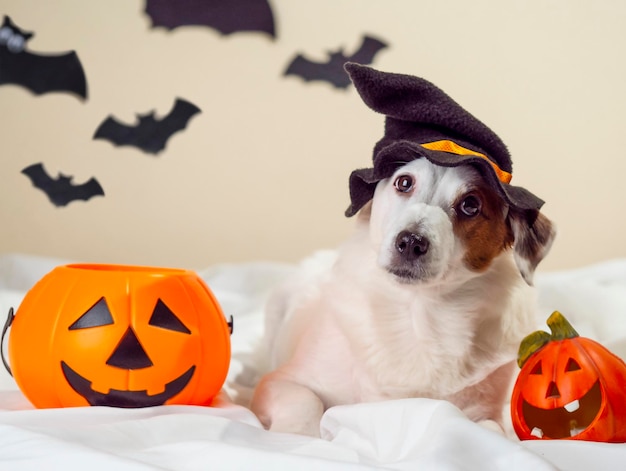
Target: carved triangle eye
<point x="96" y="316"/>
<point x="163" y="317"/>
<point x="537" y="369"/>
<point x="572" y="365"/>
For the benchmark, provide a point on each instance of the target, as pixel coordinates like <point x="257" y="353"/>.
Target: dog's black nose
<point x="411" y="245"/>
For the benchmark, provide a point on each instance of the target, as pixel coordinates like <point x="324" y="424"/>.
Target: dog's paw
<point x="284" y="406"/>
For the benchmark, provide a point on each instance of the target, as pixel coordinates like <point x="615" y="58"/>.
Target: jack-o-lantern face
<point x="119" y="336"/>
<point x="129" y="355"/>
<point x="569" y="387"/>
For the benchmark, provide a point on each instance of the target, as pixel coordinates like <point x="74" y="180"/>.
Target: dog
<point x="429" y="298"/>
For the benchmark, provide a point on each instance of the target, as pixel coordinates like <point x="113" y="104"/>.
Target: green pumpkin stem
<point x="530" y="345"/>
<point x="560" y="327"/>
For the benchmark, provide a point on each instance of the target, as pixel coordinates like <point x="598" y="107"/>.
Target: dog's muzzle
<point x="409" y="261"/>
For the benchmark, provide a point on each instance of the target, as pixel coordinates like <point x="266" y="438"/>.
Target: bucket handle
<point x="5" y="329"/>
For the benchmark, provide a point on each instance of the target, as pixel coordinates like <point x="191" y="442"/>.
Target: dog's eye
<point x="404" y="183"/>
<point x="470" y="206"/>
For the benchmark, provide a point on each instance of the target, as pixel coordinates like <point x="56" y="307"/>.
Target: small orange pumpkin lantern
<point x="116" y="335"/>
<point x="569" y="387"/>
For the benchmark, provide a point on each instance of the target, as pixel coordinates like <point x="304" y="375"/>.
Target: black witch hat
<point x="422" y="121"/>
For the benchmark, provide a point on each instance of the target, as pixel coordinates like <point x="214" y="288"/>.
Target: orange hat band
<point x="454" y="148"/>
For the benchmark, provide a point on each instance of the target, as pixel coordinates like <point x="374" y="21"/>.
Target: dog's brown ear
<point x="533" y="235"/>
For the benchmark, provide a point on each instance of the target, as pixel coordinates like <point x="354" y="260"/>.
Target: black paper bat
<point x="149" y="134"/>
<point x="226" y="16"/>
<point x="332" y="70"/>
<point x="37" y="72"/>
<point x="61" y="190"/>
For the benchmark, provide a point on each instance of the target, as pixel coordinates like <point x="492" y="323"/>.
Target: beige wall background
<point x="262" y="173"/>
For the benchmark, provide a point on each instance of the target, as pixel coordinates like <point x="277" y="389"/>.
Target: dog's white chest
<point x="407" y="350"/>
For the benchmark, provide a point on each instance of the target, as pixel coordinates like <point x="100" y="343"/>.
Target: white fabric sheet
<point x="402" y="434"/>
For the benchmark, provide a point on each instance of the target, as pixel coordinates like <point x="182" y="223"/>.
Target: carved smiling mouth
<point x="119" y="398"/>
<point x="564" y="422"/>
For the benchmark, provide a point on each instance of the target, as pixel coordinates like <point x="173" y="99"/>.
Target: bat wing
<point x="61" y="191"/>
<point x="175" y="121"/>
<point x="116" y="133"/>
<point x="226" y="16"/>
<point x="84" y="191"/>
<point x="43" y="73"/>
<point x="330" y="71"/>
<point x="38" y="176"/>
<point x="368" y="50"/>
<point x="305" y="69"/>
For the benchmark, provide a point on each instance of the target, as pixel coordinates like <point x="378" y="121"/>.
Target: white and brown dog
<point x="431" y="295"/>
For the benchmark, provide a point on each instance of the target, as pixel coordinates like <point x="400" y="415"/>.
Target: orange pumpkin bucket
<point x="116" y="335"/>
<point x="569" y="387"/>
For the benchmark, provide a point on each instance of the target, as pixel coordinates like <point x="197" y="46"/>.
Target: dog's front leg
<point x="283" y="405"/>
